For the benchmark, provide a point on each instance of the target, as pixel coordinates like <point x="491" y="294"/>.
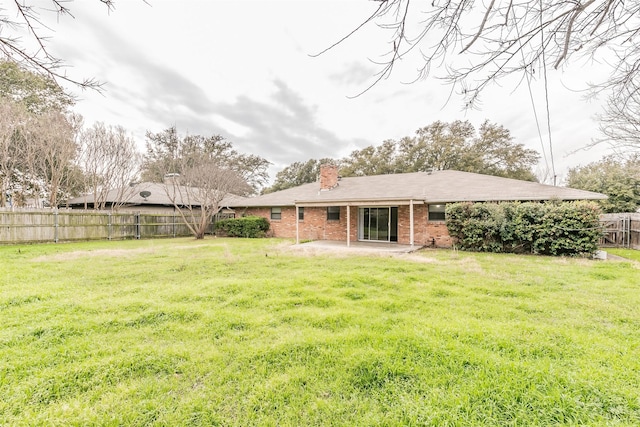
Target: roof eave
<point x="412" y="200"/>
<point x="362" y="201"/>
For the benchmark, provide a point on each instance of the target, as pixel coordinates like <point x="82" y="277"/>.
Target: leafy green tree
<point x="441" y="146"/>
<point x="371" y="160"/>
<point x="38" y="93"/>
<point x="494" y="152"/>
<point x="297" y="173"/>
<point x="618" y="178"/>
<point x="438" y="146"/>
<point x="168" y="152"/>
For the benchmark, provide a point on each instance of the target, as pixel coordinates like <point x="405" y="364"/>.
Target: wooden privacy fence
<point x="26" y="226"/>
<point x="621" y="230"/>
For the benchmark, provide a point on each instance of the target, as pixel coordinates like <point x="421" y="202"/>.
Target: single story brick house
<point x="147" y="197"/>
<point x="407" y="208"/>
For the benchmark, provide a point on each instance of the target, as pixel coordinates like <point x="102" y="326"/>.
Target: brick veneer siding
<point x="425" y="232"/>
<point x="419" y="225"/>
<point x="315" y="225"/>
<point x="438" y="235"/>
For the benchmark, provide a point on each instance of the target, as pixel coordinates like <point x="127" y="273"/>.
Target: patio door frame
<point x="366" y="219"/>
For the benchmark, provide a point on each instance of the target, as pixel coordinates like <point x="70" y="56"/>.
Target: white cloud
<point x="243" y="69"/>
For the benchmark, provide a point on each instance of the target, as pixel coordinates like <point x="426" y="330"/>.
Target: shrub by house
<point x="248" y="226"/>
<point x="553" y="228"/>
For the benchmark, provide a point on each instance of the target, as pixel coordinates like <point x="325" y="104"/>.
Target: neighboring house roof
<point x="429" y="187"/>
<point x="132" y="195"/>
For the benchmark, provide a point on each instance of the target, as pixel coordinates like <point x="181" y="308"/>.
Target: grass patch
<point x="631" y="254"/>
<point x="245" y="332"/>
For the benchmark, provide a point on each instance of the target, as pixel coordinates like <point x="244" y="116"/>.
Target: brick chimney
<point x="328" y="177"/>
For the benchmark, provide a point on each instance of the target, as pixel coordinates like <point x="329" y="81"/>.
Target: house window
<point x="436" y="212"/>
<point x="300" y="214"/>
<point x="276" y="213"/>
<point x="333" y="213"/>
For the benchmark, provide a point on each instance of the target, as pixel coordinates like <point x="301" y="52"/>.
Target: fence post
<point x="55" y="225"/>
<point x="627" y="231"/>
<point x="137" y="220"/>
<point x="108" y="225"/>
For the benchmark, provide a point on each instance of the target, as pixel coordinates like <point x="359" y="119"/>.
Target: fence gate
<point x="620" y="230"/>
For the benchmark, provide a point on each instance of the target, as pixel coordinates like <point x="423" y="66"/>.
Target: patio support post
<point x="411" y="222"/>
<point x="348" y="225"/>
<point x="297" y="225"/>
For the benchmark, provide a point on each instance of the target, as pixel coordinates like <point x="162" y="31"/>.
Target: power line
<point x="546" y="96"/>
<point x="535" y="114"/>
<point x="533" y="103"/>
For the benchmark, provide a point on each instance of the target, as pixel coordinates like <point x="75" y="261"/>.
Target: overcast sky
<point x="243" y="69"/>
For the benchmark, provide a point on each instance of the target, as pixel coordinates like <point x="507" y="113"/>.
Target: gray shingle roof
<point x="131" y="195"/>
<point x="430" y="187"/>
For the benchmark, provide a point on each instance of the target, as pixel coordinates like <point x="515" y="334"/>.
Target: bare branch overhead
<point x="28" y="16"/>
<point x="472" y="43"/>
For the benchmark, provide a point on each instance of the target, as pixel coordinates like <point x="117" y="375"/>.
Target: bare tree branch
<point x="29" y="17"/>
<point x="198" y="193"/>
<point x="383" y="4"/>
<point x="110" y="162"/>
<point x="567" y="38"/>
<point x="479" y="43"/>
<point x="482" y="24"/>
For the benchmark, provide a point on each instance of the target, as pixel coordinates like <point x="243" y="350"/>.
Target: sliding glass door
<point x="378" y="224"/>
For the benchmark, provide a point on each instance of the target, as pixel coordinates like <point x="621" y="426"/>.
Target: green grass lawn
<point x="247" y="332"/>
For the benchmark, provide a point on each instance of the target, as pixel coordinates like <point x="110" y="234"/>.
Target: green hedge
<point x="552" y="228"/>
<point x="248" y="226"/>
